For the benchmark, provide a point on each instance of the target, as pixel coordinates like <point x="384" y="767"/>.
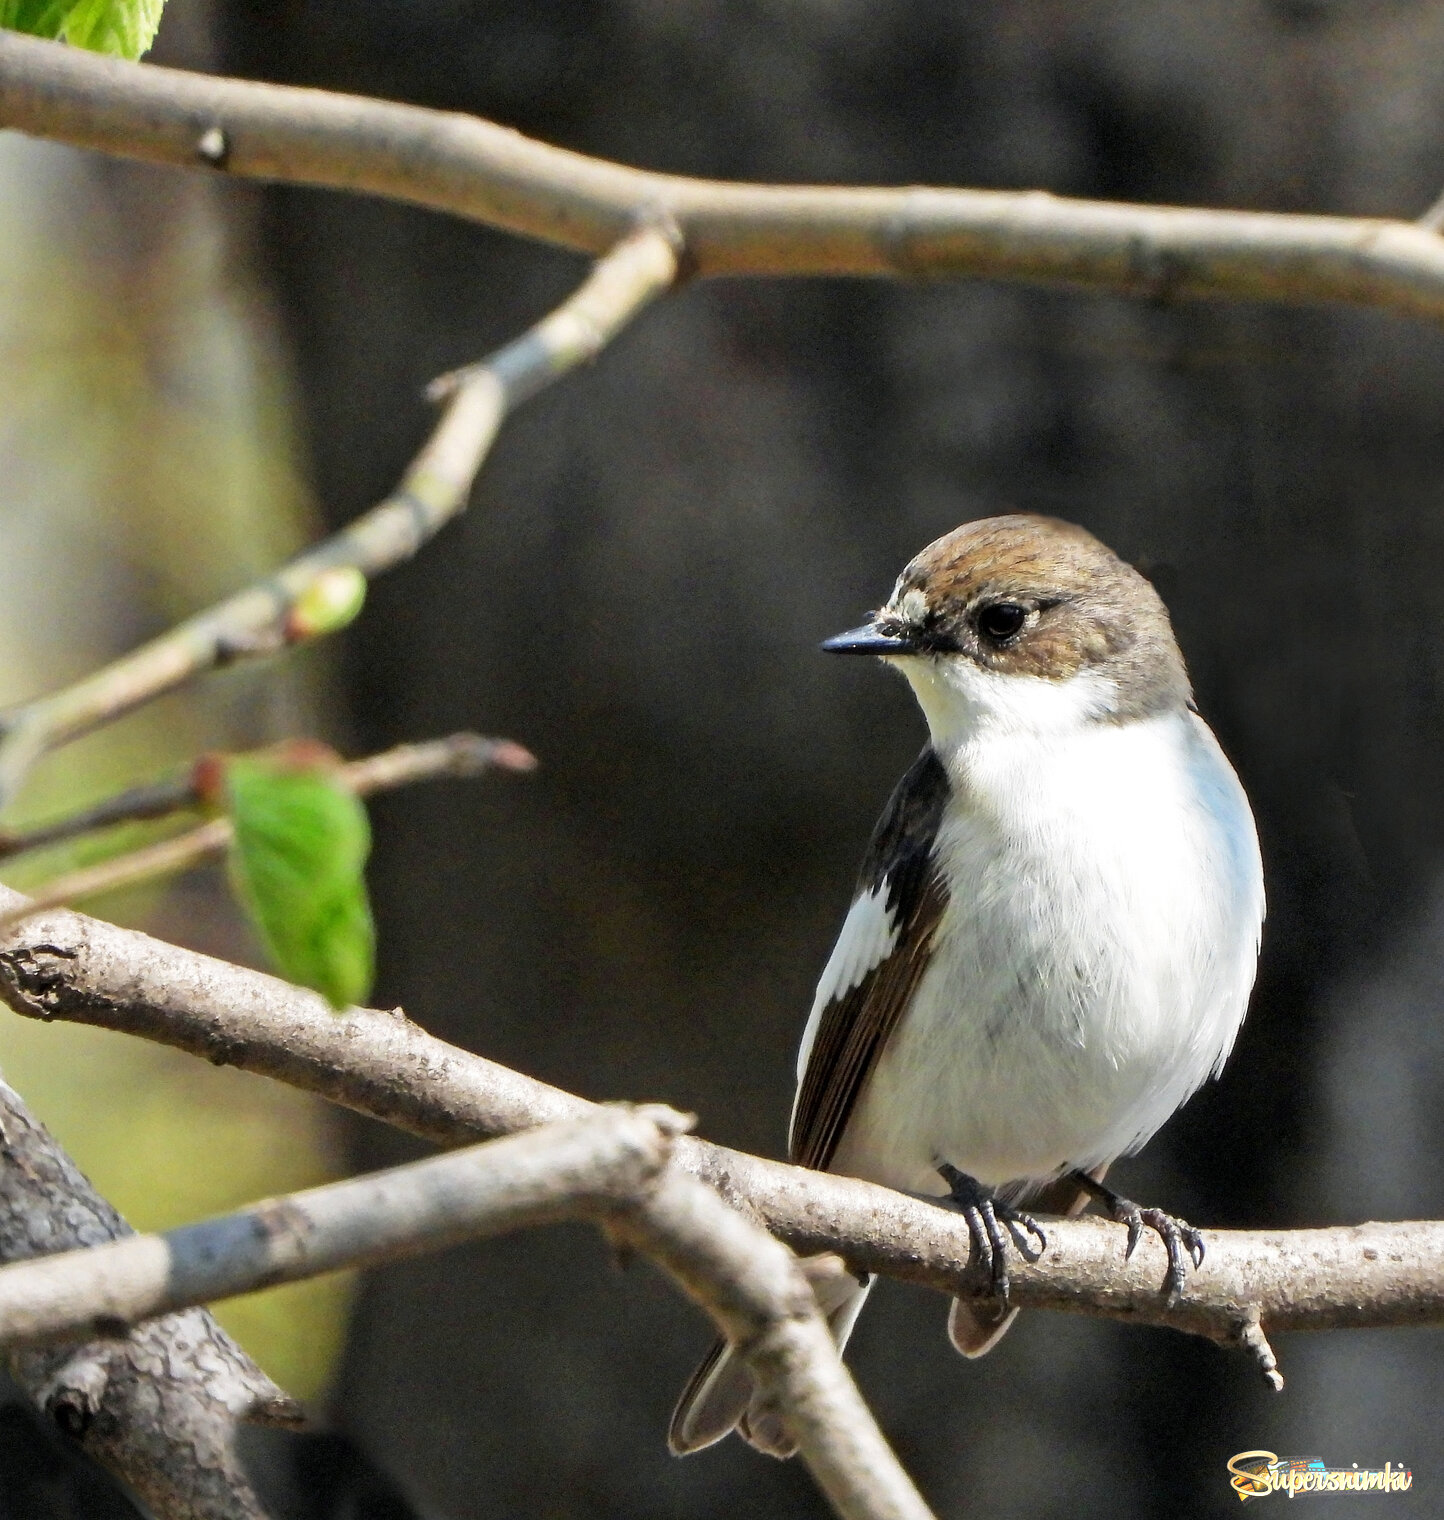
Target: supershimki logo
<point x="1256" y="1473"/>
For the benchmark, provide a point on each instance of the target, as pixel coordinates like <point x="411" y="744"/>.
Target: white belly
<point x="1093" y="966"/>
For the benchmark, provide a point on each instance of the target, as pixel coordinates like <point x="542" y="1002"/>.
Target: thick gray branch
<point x="158" y="1407"/>
<point x="580" y="1168"/>
<point x="65" y="966"/>
<point x="472" y="168"/>
<point x="610" y="1166"/>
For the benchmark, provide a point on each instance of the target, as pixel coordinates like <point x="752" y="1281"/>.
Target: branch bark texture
<point x="65" y="966"/>
<point x="580" y="1168"/>
<point x="475" y="169"/>
<point x="610" y="1166"/>
<point x="160" y="1406"/>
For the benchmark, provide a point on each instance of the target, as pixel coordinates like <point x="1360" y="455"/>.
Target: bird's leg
<point x="986" y="1219"/>
<point x="1182" y="1242"/>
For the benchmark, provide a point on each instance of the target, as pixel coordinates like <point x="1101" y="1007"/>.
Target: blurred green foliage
<point x="124" y="27"/>
<point x="145" y="428"/>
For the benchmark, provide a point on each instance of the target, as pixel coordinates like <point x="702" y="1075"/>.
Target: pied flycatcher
<point x="1055" y="929"/>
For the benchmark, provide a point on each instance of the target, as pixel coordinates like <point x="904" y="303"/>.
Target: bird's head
<point x="1025" y="623"/>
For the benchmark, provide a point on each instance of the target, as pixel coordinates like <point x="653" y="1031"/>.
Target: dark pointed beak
<point x="869" y="640"/>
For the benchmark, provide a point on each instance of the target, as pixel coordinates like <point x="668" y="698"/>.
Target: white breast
<point x="1094" y="963"/>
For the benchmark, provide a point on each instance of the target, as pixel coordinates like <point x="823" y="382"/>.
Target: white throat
<point x="964" y="703"/>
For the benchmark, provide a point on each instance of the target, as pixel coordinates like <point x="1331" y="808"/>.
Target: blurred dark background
<point x="651" y="557"/>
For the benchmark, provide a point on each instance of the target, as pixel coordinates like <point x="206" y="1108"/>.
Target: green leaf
<point x="297" y="865"/>
<point x="124" y="27"/>
<point x="41" y="18"/>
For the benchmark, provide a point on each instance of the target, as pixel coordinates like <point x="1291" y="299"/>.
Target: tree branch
<point x="475" y="169"/>
<point x="164" y="858"/>
<point x="579" y="1168"/>
<point x="762" y="1301"/>
<point x="462" y="755"/>
<point x="610" y="1166"/>
<point x="459" y="755"/>
<point x="179" y="1458"/>
<point x="158" y="1407"/>
<point x="257" y="620"/>
<point x="65" y="966"/>
<point x="137" y="804"/>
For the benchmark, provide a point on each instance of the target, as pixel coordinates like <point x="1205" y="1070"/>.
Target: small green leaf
<point x="297" y="865"/>
<point x="124" y="27"/>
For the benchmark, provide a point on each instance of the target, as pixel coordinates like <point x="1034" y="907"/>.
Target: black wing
<point x="856" y="1024"/>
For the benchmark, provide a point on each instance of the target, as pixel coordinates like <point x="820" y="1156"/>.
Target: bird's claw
<point x="1020" y="1226"/>
<point x="1183" y="1243"/>
<point x="986" y="1219"/>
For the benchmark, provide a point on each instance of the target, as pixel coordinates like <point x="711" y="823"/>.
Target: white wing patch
<point x="868" y="937"/>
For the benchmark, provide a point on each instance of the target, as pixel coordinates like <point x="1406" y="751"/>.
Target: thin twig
<point x="137" y="804"/>
<point x="475" y="169"/>
<point x="434" y="489"/>
<point x="462" y="755"/>
<point x="610" y="1166"/>
<point x="459" y="755"/>
<point x="65" y="966"/>
<point x="1252" y="1339"/>
<point x="164" y="858"/>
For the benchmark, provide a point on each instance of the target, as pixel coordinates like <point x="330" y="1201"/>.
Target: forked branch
<point x="611" y="1166"/>
<point x="63" y="966"/>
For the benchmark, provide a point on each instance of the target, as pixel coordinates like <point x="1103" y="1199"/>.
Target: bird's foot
<point x="987" y="1219"/>
<point x="1182" y="1242"/>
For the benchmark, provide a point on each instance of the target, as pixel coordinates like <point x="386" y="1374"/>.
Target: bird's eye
<point x="1000" y="621"/>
